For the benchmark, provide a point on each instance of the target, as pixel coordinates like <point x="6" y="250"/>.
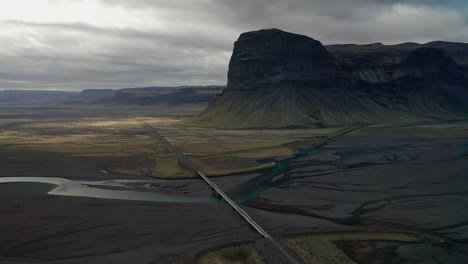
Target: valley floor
<point x="376" y="194"/>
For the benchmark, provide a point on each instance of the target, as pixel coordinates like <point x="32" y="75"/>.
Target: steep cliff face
<point x="279" y="79"/>
<point x="377" y="63"/>
<point x="277" y="59"/>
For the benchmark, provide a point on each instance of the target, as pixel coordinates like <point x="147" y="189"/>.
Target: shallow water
<point x="352" y="155"/>
<point x="65" y="187"/>
<point x="309" y="163"/>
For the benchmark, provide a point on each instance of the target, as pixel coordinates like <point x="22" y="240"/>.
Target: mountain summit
<point x="278" y="79"/>
<point x="273" y="58"/>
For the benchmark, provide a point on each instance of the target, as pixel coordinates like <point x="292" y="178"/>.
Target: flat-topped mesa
<point x="272" y="58"/>
<point x="278" y="79"/>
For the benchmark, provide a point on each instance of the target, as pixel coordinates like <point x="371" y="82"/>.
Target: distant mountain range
<point x="128" y="96"/>
<point x="27" y="97"/>
<point x="279" y="79"/>
<point x="151" y="95"/>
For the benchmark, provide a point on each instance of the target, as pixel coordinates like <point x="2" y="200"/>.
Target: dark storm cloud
<point x="170" y="42"/>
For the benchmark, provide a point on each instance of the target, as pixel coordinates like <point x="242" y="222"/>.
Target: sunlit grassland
<point x="125" y="146"/>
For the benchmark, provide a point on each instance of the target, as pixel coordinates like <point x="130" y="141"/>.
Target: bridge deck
<point x="236" y="207"/>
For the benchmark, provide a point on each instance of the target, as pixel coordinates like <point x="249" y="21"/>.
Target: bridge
<point x="277" y="244"/>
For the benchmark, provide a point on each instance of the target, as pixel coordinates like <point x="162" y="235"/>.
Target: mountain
<point x="94" y="95"/>
<point x="27" y="97"/>
<point x="150" y="95"/>
<point x="279" y="79"/>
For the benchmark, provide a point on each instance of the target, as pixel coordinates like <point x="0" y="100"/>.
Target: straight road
<point x="236" y="207"/>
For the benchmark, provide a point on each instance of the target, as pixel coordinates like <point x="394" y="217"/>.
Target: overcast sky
<point x="82" y="44"/>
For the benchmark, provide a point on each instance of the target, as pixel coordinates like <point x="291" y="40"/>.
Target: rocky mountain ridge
<point x="150" y="95"/>
<point x="279" y="79"/>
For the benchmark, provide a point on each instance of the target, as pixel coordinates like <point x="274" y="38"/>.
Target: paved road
<point x="236" y="207"/>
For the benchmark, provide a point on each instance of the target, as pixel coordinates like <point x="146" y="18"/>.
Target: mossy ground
<point x="232" y="255"/>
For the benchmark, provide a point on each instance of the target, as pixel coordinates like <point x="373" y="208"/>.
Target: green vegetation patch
<point x="232" y="255"/>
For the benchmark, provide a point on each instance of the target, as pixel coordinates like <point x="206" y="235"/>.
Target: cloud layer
<point x="82" y="44"/>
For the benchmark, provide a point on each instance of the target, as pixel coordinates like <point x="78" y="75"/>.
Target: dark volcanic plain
<point x="408" y="179"/>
